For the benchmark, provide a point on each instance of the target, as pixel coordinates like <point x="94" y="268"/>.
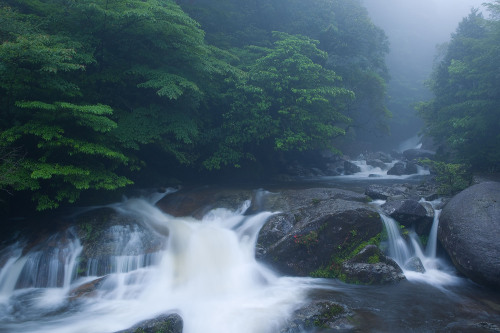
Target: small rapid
<point x="206" y="272"/>
<point x="405" y="250"/>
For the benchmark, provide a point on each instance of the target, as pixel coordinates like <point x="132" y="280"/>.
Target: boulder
<point x="351" y="168"/>
<point x="315" y="225"/>
<point x="411" y="168"/>
<point x="381" y="192"/>
<point x="398" y="169"/>
<point x="88" y="289"/>
<point x="414" y="264"/>
<point x="371" y="266"/>
<point x="415" y="154"/>
<point x="469" y="230"/>
<point x="105" y="233"/>
<point x="167" y="323"/>
<point x="197" y="202"/>
<point x="377" y="164"/>
<point x="334" y="168"/>
<point x="319" y="314"/>
<point x="384" y="157"/>
<point x="409" y="213"/>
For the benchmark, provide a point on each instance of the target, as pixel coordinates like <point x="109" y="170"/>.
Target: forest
<point x="99" y="95"/>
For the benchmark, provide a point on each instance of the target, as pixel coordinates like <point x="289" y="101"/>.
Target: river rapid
<point x="206" y="272"/>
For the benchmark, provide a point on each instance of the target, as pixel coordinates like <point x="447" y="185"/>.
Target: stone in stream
<point x="398" y="169"/>
<point x="377" y="164"/>
<point x="167" y="323"/>
<point x="414" y="264"/>
<point x="410" y="213"/>
<point x="351" y="168"/>
<point x="319" y="314"/>
<point x="469" y="230"/>
<point x="315" y="226"/>
<point x="105" y="233"/>
<point x="381" y="192"/>
<point x="371" y="266"/>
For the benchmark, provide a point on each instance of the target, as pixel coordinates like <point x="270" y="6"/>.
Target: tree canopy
<point x="464" y="116"/>
<point x="89" y="88"/>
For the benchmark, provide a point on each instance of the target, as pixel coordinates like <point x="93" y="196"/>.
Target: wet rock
<point x="371" y="266"/>
<point x="315" y="225"/>
<point x="88" y="289"/>
<point x="384" y="157"/>
<point x="414" y="264"/>
<point x="471" y="327"/>
<point x="373" y="175"/>
<point x="197" y="202"/>
<point x="380" y="192"/>
<point x="411" y="168"/>
<point x="105" y="233"/>
<point x="415" y="154"/>
<point x="377" y="164"/>
<point x="469" y="230"/>
<point x="167" y="323"/>
<point x="319" y="314"/>
<point x="334" y="168"/>
<point x="351" y="168"/>
<point x="398" y="169"/>
<point x="409" y="213"/>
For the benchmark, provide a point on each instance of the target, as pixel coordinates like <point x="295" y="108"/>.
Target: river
<point x="206" y="271"/>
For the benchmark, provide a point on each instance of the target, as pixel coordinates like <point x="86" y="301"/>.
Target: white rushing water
<point x="376" y="173"/>
<point x="437" y="272"/>
<point x="207" y="273"/>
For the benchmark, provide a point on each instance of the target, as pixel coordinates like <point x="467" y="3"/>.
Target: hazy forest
<point x="98" y="95"/>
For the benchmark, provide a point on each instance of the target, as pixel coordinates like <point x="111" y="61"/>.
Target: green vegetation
<point x="451" y="177"/>
<point x="307" y="240"/>
<point x="464" y="116"/>
<point x="334" y="268"/>
<point x="97" y="95"/>
<point x="330" y="313"/>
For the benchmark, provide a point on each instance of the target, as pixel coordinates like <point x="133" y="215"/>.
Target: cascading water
<point x="402" y="250"/>
<point x="206" y="272"/>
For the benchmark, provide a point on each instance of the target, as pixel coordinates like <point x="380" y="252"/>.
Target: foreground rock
<point x="106" y="234"/>
<point x="469" y="230"/>
<point x="411" y="214"/>
<point x="167" y="323"/>
<point x="318" y="228"/>
<point x="197" y="202"/>
<point x="371" y="266"/>
<point x="319" y="314"/>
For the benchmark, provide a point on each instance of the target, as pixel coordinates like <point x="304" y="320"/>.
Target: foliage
<point x="287" y="102"/>
<point x="62" y="144"/>
<point x="88" y="88"/>
<point x="464" y="115"/>
<point x="355" y="47"/>
<point x="334" y="268"/>
<point x="451" y="177"/>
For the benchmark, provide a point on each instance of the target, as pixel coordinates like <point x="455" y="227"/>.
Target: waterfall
<point x="206" y="272"/>
<point x="398" y="248"/>
<point x="402" y="250"/>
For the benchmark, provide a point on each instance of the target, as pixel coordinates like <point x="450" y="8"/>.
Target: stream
<point x="206" y="271"/>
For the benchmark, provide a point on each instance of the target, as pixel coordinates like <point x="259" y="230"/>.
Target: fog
<point x="414" y="29"/>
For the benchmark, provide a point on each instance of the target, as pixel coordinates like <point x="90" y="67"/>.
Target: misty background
<point x="417" y="30"/>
